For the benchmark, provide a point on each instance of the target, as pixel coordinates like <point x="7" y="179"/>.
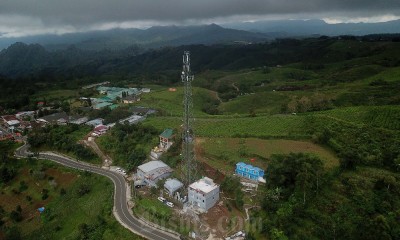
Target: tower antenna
<point x="189" y="166"/>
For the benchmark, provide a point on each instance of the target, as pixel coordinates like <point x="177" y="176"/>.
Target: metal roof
<point x="95" y="122"/>
<point x="167" y="133"/>
<point x="101" y="105"/>
<point x="173" y="184"/>
<point x="55" y="117"/>
<point x="151" y="166"/>
<point x="249" y="166"/>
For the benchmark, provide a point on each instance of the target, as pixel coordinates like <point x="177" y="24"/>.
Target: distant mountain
<point x="154" y="37"/>
<point x="290" y="28"/>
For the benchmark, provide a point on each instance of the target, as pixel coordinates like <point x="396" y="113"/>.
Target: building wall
<point x="205" y="201"/>
<point x="249" y="172"/>
<point x="152" y="183"/>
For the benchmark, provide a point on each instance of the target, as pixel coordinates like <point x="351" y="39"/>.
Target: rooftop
<point x="9" y="118"/>
<point x="100" y="128"/>
<point x="204" y="185"/>
<point x="167" y="133"/>
<point x="55" y="116"/>
<point x="152" y="165"/>
<point x="95" y="122"/>
<point x="12" y="122"/>
<point x="173" y="183"/>
<point x="139" y="109"/>
<point x="102" y="104"/>
<point x="105" y="99"/>
<point x="249" y="166"/>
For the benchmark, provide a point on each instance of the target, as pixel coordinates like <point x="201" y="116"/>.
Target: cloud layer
<point x="56" y="16"/>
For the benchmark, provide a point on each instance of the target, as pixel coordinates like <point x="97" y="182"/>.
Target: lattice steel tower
<point x="189" y="165"/>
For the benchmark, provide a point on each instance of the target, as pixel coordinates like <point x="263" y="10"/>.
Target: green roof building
<point x="166" y="138"/>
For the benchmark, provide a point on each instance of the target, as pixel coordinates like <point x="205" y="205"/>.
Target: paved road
<point x="120" y="204"/>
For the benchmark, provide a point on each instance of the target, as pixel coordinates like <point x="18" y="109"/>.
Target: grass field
<point x="224" y="153"/>
<point x="260" y="102"/>
<point x="171" y="103"/>
<point x="276" y="126"/>
<point x="376" y="116"/>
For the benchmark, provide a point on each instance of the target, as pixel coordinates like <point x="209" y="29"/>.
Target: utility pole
<point x="189" y="166"/>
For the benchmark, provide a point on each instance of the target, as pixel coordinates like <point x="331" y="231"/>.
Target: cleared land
<point x="224" y="153"/>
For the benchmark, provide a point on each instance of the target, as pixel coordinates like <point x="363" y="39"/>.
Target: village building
<point x="60" y="118"/>
<point x="203" y="194"/>
<point x="78" y="120"/>
<point x="145" y="90"/>
<point x="172" y="185"/>
<point x="151" y="172"/>
<point x="95" y="122"/>
<point x="133" y="119"/>
<point x="131" y="99"/>
<point x="99" y="130"/>
<point x="11" y="121"/>
<point x="115" y="92"/>
<point x="249" y="171"/>
<point x="26" y="114"/>
<point x="100" y="105"/>
<point x="166" y="138"/>
<point x="40" y="104"/>
<point x="139" y="110"/>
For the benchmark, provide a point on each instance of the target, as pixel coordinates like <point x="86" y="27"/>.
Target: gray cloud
<point x="85" y="14"/>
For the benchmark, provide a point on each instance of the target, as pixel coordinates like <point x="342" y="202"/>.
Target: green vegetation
<point x="128" y="145"/>
<point x="240" y="126"/>
<point x="328" y="107"/>
<point x="64" y="139"/>
<point x="170" y="103"/>
<point x="159" y="213"/>
<point x="73" y="201"/>
<point x="301" y="194"/>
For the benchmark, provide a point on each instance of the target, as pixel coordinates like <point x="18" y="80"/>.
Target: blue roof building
<point x="249" y="171"/>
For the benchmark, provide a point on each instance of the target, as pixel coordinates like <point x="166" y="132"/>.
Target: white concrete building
<point x="153" y="171"/>
<point x="203" y="194"/>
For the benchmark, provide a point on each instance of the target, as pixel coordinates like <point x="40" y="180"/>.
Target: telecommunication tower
<point x="188" y="157"/>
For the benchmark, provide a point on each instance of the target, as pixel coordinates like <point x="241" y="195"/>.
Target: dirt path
<point x="237" y="89"/>
<point x="107" y="161"/>
<point x="217" y="97"/>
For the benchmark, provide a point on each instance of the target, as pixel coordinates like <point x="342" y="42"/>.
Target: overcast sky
<point x="30" y="17"/>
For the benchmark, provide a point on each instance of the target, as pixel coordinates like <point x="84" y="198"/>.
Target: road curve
<point x="120" y="204"/>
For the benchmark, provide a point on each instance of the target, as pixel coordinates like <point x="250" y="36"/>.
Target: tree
<point x="15" y="216"/>
<point x="303" y="179"/>
<point x="239" y="198"/>
<point x="277" y="234"/>
<point x="62" y="192"/>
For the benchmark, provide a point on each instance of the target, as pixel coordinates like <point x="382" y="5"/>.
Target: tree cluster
<point x="60" y="138"/>
<point x="129" y="145"/>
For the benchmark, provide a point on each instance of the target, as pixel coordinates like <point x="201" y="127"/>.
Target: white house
<point x="203" y="194"/>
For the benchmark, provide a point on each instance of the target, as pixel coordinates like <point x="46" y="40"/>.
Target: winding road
<point x="121" y="210"/>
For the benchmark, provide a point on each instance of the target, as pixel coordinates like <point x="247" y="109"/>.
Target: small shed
<point x="172" y="185"/>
